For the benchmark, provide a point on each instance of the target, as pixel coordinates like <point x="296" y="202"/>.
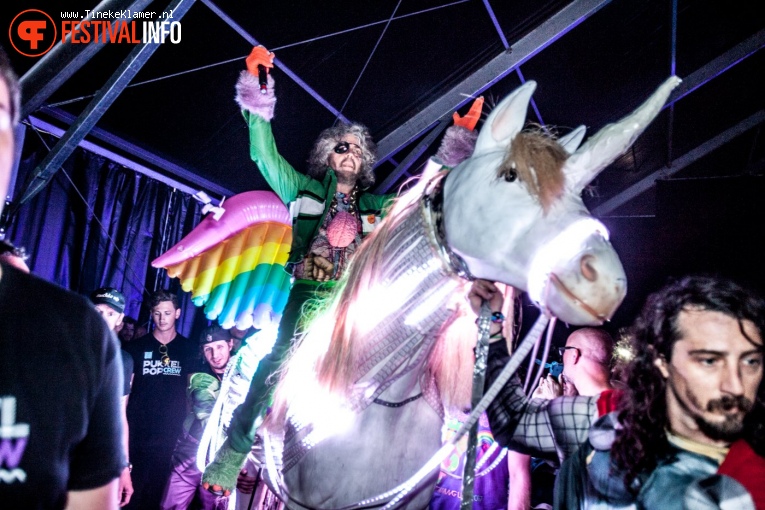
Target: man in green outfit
<point x="332" y="211"/>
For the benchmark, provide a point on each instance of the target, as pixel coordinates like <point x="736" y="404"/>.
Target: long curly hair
<point x="643" y="440"/>
<point x="318" y="160"/>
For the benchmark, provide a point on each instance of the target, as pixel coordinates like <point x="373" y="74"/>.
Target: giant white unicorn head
<point x="562" y="255"/>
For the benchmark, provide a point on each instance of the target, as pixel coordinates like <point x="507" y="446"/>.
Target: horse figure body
<point x="392" y="357"/>
<point x="360" y="404"/>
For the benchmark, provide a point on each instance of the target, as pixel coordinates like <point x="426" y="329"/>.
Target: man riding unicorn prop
<point x="358" y="407"/>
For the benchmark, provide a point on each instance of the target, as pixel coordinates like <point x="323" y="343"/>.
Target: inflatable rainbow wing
<point x="234" y="266"/>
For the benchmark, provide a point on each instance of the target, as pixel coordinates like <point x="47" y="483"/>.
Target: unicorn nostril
<point x="586" y="264"/>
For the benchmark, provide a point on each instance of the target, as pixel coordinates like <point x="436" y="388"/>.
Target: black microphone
<point x="262" y="78"/>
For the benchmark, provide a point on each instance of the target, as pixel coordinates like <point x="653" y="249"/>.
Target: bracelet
<point x="496" y="318"/>
<point x="129" y="467"/>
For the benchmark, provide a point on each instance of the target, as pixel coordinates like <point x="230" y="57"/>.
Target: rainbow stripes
<point x="233" y="263"/>
<point x="243" y="275"/>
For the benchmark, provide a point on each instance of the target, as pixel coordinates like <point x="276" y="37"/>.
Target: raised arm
<point x="535" y="426"/>
<point x="258" y="110"/>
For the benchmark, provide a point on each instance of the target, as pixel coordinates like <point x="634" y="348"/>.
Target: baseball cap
<point x="214" y="334"/>
<point x="109" y="296"/>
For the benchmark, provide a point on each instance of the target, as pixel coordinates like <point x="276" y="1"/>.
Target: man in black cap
<point x="110" y="303"/>
<point x="216" y="344"/>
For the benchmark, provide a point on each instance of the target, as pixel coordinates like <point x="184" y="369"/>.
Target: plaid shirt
<point x="536" y="426"/>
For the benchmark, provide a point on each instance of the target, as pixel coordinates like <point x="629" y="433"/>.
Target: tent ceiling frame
<point x="90" y="116"/>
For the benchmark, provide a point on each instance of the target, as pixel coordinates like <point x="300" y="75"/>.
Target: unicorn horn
<point x="614" y="139"/>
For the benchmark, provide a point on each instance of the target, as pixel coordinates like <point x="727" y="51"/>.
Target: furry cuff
<point x="457" y="145"/>
<point x="249" y="98"/>
<point x="224" y="470"/>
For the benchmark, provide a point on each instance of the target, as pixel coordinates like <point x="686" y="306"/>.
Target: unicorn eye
<point x="510" y="176"/>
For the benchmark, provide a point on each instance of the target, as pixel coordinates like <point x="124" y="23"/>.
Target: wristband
<point x="496" y="318"/>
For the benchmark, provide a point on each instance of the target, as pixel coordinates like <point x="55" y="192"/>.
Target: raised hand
<point x="260" y="56"/>
<point x="549" y="388"/>
<point x="322" y="269"/>
<point x="472" y="117"/>
<point x="484" y="289"/>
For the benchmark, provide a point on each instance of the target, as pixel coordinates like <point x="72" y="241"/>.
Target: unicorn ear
<point x="571" y="141"/>
<point x="614" y="139"/>
<point x="506" y="120"/>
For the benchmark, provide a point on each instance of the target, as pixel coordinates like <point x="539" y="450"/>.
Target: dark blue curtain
<point x="100" y="224"/>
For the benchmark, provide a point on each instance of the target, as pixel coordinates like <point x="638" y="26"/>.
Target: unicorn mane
<point x="336" y="339"/>
<point x="537" y="159"/>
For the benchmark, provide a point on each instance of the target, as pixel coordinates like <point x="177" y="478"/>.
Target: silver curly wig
<point x="318" y="160"/>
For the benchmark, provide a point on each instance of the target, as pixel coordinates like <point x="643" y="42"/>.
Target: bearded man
<point x="689" y="430"/>
<point x="332" y="212"/>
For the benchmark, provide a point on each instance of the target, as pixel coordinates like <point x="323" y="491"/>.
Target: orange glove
<point x="260" y="56"/>
<point x="216" y="489"/>
<point x="471" y="117"/>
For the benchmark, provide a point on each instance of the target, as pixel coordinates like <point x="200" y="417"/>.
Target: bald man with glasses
<point x="586" y="366"/>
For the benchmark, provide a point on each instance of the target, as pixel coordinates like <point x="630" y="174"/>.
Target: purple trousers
<point x="185" y="479"/>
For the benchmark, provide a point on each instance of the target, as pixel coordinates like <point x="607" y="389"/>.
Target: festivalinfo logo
<point x="34" y="32"/>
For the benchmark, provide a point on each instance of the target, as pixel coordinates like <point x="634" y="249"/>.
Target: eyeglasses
<point x="343" y="147"/>
<point x="562" y="350"/>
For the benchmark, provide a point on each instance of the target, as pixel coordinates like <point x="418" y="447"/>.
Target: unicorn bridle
<point x="432" y="209"/>
<point x="542" y="277"/>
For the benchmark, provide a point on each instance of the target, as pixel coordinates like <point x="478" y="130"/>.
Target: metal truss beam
<point x="718" y="66"/>
<point x="171" y="171"/>
<point x="199" y="182"/>
<point x="65" y="59"/>
<point x="695" y="80"/>
<point x="696" y="154"/>
<point x="96" y="109"/>
<point x="547" y="33"/>
<point x="418" y="151"/>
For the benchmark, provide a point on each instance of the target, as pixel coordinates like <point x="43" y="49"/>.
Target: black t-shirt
<point x="127" y="371"/>
<point x="157" y="404"/>
<point x="60" y="384"/>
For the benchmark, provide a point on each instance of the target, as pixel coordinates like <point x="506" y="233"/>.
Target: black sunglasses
<point x="343" y="147"/>
<point x="562" y="350"/>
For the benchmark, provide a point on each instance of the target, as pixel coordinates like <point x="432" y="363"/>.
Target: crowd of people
<point x="114" y="412"/>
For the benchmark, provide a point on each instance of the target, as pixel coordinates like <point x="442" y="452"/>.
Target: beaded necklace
<point x="344" y="202"/>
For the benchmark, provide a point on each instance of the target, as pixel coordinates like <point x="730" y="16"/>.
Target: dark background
<point x="701" y="212"/>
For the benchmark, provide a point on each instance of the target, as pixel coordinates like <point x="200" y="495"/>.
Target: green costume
<point x="309" y="201"/>
<point x="183" y="485"/>
<point x="307" y="198"/>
